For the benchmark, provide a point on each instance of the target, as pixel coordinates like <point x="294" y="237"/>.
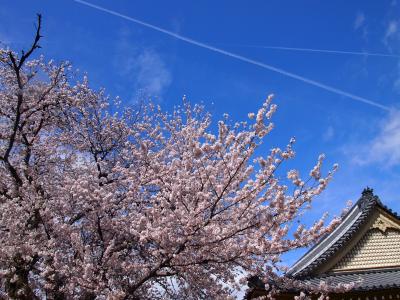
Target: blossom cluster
<point x="140" y="203"/>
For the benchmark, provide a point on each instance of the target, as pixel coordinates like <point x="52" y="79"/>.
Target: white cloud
<point x="143" y="66"/>
<point x="396" y="85"/>
<point x="328" y="134"/>
<point x="360" y="25"/>
<point x="391" y="40"/>
<point x="385" y="147"/>
<point x="359" y="21"/>
<point x="391" y="31"/>
<point x="152" y="73"/>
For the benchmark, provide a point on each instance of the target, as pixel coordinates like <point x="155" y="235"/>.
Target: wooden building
<point x="364" y="248"/>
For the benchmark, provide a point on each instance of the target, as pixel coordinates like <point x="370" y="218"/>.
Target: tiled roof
<point x="331" y="243"/>
<point x="371" y="280"/>
<point x="376" y="280"/>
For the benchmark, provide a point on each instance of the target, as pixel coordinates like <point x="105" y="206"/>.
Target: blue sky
<point x="130" y="60"/>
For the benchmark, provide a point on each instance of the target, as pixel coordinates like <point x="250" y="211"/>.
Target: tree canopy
<point x="138" y="203"/>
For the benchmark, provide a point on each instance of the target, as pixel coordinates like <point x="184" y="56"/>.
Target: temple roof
<point x="364" y="249"/>
<point x="328" y="246"/>
<point x="364" y="281"/>
<point x="368" y="281"/>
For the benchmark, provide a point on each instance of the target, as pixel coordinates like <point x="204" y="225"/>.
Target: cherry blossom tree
<point x="140" y="203"/>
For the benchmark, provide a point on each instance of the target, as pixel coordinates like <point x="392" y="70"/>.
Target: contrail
<point x="317" y="50"/>
<point x="238" y="57"/>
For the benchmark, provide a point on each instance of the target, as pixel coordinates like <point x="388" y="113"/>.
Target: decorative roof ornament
<point x="368" y="191"/>
<point x="368" y="199"/>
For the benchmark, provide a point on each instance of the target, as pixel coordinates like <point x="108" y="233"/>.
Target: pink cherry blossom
<point x="143" y="204"/>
